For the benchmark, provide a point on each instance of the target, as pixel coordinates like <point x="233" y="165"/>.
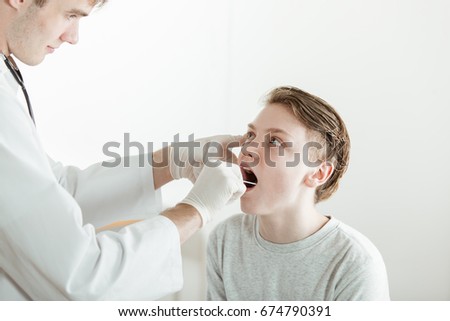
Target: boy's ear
<point x="320" y="175"/>
<point x="16" y="4"/>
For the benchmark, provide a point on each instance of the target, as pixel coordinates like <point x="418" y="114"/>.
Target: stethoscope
<point x="18" y="77"/>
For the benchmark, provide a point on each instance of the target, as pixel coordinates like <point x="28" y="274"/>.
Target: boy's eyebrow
<point x="78" y="12"/>
<point x="271" y="130"/>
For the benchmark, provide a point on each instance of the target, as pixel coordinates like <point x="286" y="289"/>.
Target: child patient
<point x="296" y="151"/>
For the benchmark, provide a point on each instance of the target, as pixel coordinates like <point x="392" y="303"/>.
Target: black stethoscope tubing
<point x="18" y="77"/>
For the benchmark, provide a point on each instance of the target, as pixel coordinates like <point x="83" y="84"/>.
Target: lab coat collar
<point x="8" y="77"/>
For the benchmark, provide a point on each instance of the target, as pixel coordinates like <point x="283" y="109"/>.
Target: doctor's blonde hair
<point x="324" y="125"/>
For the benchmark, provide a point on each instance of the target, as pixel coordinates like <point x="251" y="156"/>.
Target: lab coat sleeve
<point x="46" y="249"/>
<point x="107" y="194"/>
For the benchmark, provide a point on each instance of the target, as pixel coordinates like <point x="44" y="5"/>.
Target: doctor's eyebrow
<point x="78" y="12"/>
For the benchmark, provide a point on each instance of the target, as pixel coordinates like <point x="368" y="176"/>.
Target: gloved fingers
<point x="207" y="151"/>
<point x="174" y="168"/>
<point x="240" y="190"/>
<point x="215" y="187"/>
<point x="227" y="140"/>
<point x="235" y="141"/>
<point x="236" y="170"/>
<point x="196" y="172"/>
<point x="238" y="187"/>
<point x="220" y="148"/>
<point x="231" y="157"/>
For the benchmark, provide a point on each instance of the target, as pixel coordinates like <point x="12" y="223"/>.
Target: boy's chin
<point x="248" y="209"/>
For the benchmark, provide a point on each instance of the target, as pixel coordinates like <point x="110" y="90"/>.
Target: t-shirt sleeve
<point x="365" y="280"/>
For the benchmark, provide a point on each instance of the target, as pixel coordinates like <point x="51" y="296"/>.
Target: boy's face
<point x="272" y="156"/>
<point x="38" y="31"/>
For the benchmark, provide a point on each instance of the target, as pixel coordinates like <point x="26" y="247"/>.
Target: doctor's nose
<point x="71" y="34"/>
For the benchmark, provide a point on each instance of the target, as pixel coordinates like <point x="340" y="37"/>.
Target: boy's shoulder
<point x="356" y="243"/>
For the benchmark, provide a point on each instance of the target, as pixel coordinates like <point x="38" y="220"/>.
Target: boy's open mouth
<point x="250" y="179"/>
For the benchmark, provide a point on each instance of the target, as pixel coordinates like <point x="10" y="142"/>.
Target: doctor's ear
<point x="320" y="175"/>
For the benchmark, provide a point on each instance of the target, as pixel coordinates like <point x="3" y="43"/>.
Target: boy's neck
<point x="283" y="228"/>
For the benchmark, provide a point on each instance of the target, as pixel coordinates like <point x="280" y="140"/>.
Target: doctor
<point x="48" y="248"/>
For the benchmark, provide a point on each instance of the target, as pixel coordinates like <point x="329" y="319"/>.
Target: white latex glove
<point x="215" y="187"/>
<point x="187" y="162"/>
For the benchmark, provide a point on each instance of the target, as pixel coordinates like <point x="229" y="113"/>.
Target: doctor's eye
<point x="72" y="16"/>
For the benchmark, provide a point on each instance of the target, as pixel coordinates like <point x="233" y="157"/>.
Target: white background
<point x="157" y="68"/>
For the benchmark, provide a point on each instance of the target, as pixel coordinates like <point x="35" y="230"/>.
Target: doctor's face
<point x="38" y="31"/>
<point x="272" y="157"/>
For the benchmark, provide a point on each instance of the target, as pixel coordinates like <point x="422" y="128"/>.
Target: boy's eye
<point x="275" y="142"/>
<point x="249" y="136"/>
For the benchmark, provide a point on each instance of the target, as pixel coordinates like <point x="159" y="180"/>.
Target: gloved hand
<point x="186" y="159"/>
<point x="215" y="187"/>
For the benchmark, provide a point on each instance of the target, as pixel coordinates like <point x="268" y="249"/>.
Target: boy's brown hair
<point x="325" y="125"/>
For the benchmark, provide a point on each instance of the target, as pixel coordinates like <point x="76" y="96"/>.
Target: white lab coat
<point x="49" y="250"/>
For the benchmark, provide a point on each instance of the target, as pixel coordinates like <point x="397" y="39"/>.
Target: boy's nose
<point x="250" y="150"/>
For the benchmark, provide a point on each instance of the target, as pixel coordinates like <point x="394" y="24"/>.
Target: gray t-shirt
<point x="335" y="263"/>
